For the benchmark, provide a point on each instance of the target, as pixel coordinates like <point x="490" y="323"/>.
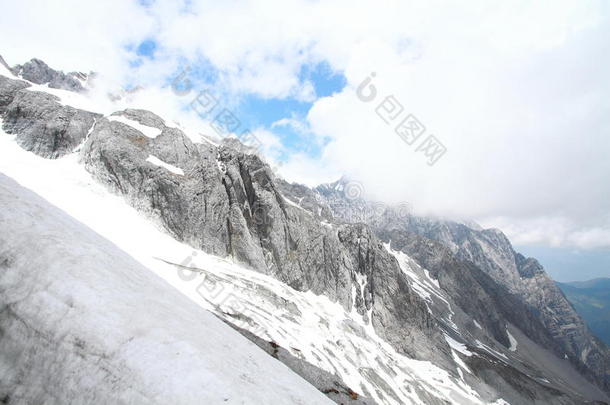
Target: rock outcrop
<point x="227" y="203"/>
<point x="8" y="88"/>
<point x="544" y="314"/>
<point x="43" y="125"/>
<point x="36" y="71"/>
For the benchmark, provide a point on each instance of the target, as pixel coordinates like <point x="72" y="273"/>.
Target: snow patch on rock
<point x="150" y="132"/>
<point x="512" y="340"/>
<point x="158" y="162"/>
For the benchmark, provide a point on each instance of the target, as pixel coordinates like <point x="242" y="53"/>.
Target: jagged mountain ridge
<point x="229" y="203"/>
<point x="38" y="72"/>
<point x="491" y="251"/>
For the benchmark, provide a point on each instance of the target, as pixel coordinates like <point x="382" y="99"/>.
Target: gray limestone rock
<point x="481" y="272"/>
<point x="44" y="126"/>
<point x="36" y="71"/>
<point x="227" y="203"/>
<point x="493" y="253"/>
<point x="8" y="89"/>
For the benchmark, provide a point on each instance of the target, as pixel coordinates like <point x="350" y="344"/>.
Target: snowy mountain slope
<point x="226" y="202"/>
<point x="311" y="326"/>
<point x="65" y="183"/>
<point x="486" y="258"/>
<point x="525" y="278"/>
<point x="82" y="322"/>
<point x="486" y="316"/>
<point x="325" y="335"/>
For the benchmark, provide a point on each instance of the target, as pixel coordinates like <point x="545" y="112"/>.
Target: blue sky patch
<point x="147" y="48"/>
<point x="326" y="82"/>
<point x="252" y="110"/>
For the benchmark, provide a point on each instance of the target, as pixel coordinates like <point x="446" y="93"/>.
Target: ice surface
<point x="290" y="202"/>
<point x="85" y="323"/>
<point x="457" y="346"/>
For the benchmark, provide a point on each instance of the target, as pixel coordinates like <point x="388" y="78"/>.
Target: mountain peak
<point x="38" y="72"/>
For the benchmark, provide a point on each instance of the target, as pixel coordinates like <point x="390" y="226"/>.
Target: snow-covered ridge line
<point x="82" y="101"/>
<point x="7" y="73"/>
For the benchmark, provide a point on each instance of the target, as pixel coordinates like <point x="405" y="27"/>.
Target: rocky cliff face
<point x="492" y="252"/>
<point x="226" y="202"/>
<point x="44" y="126"/>
<point x="8" y="88"/>
<point x="543" y="311"/>
<point x="425" y="286"/>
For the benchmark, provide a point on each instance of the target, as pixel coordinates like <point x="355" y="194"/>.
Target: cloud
<point x="295" y="124"/>
<point x="74" y="35"/>
<point x="515" y="90"/>
<point x="270" y="144"/>
<point x="553" y="231"/>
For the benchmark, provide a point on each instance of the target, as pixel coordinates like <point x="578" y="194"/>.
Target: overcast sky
<point x="516" y="91"/>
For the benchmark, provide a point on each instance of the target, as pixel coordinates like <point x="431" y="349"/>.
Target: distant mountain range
<point x="591" y="299"/>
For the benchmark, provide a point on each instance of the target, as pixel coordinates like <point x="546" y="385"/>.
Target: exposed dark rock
<point x="518" y="388"/>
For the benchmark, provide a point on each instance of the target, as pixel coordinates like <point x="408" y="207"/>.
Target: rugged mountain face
<point x="36" y="71"/>
<point x="226" y="203"/>
<point x="8" y="88"/>
<point x="491" y="252"/>
<point x="44" y="126"/>
<point x="442" y="292"/>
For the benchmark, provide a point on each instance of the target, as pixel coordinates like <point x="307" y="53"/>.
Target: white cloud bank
<point x="516" y="90"/>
